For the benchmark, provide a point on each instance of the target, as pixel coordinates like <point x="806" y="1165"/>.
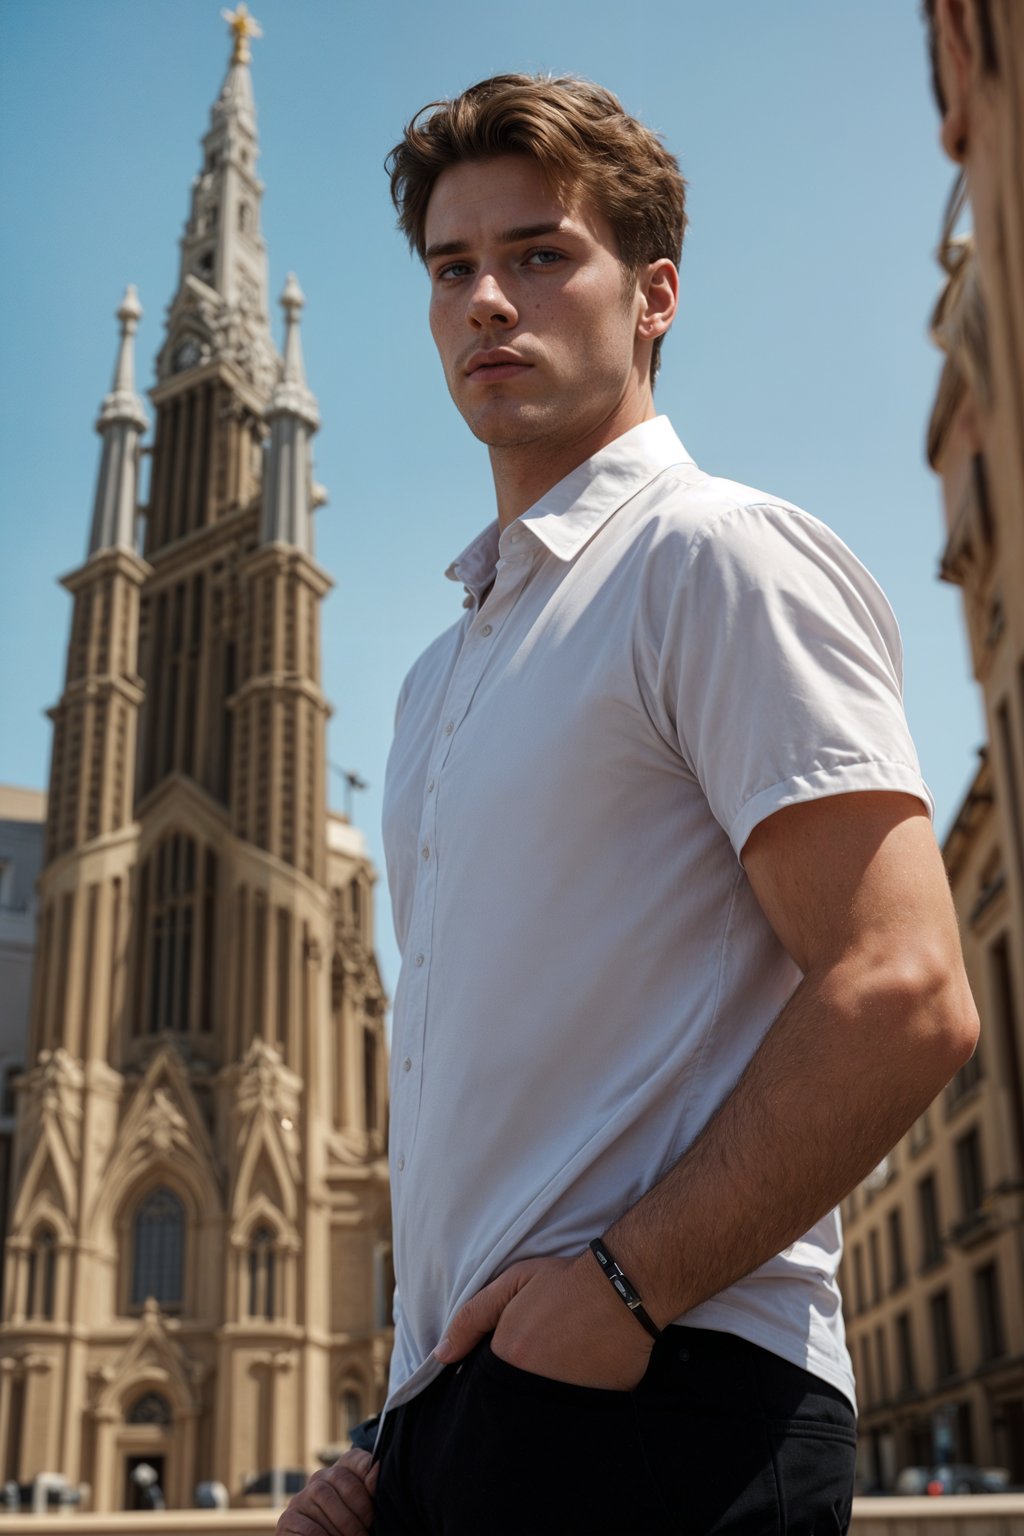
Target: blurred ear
<point x="955" y="55"/>
<point x="658" y="285"/>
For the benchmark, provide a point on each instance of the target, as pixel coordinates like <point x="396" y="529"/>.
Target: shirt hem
<point x="720" y="1317"/>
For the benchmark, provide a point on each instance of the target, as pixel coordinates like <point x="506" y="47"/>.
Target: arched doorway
<point x="146" y="1452"/>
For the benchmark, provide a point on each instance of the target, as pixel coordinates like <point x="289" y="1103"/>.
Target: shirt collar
<point x="574" y="509"/>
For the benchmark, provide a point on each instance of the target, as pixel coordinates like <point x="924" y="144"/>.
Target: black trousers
<point x="720" y="1437"/>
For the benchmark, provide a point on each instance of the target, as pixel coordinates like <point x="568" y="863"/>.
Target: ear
<point x="658" y="286"/>
<point x="955" y="55"/>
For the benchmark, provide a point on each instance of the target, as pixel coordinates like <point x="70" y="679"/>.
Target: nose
<point x="489" y="304"/>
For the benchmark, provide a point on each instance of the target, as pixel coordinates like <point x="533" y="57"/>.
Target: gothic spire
<point x="221" y="306"/>
<point x="289" y="494"/>
<point x="121" y="423"/>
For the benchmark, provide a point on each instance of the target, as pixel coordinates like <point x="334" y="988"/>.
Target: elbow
<point x="934" y="997"/>
<point x="922" y="1005"/>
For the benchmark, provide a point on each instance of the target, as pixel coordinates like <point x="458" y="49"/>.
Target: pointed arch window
<point x="159" y="1249"/>
<point x="150" y="1408"/>
<point x="41" y="1289"/>
<point x="351" y="1408"/>
<point x="262" y="1261"/>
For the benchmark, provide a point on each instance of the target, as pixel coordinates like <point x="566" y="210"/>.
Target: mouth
<point x="492" y="367"/>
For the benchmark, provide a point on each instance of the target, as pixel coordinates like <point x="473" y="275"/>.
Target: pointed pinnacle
<point x="292" y="298"/>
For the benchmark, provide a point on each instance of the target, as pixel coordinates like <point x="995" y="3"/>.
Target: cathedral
<point x="198" y="1273"/>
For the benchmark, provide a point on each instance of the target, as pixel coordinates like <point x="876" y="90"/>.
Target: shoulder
<point x="724" y="559"/>
<point x="735" y="520"/>
<point x="727" y="532"/>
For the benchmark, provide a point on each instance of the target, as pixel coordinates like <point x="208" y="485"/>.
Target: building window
<point x="158" y="1250"/>
<point x="905" y="1354"/>
<point x="990" y="1317"/>
<point x="370" y="1098"/>
<point x="920" y="1133"/>
<point x="355" y="905"/>
<point x="10" y="1099"/>
<point x="171" y="874"/>
<point x="897" y="1257"/>
<point x="244" y="218"/>
<point x="960" y="1088"/>
<point x="931" y="1232"/>
<point x="150" y="1408"/>
<point x="1006" y="1026"/>
<point x="943" y="1340"/>
<point x="42" y="1275"/>
<point x="875" y="1261"/>
<point x="351" y="1410"/>
<point x="881" y="1359"/>
<point x="261" y="1274"/>
<point x="866" y="1373"/>
<point x="177" y="922"/>
<point x="969" y="1171"/>
<point x="859" y="1296"/>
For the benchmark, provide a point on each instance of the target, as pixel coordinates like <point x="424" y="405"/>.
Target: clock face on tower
<point x="187" y="355"/>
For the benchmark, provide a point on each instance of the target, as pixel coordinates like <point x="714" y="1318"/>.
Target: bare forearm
<point x="843" y="1072"/>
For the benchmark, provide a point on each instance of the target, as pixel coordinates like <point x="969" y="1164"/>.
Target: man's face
<point x="530" y="310"/>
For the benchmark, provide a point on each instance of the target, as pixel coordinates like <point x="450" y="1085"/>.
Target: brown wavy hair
<point x="582" y="138"/>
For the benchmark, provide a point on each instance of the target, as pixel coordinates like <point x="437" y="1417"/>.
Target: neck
<point x="525" y="472"/>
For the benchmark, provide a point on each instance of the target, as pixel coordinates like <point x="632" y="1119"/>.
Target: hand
<point x="558" y="1318"/>
<point x="337" y="1501"/>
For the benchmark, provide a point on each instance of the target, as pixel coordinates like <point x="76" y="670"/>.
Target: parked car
<point x="960" y="1477"/>
<point x="260" y="1487"/>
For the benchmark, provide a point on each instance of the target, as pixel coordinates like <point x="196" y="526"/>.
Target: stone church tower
<point x="198" y="1273"/>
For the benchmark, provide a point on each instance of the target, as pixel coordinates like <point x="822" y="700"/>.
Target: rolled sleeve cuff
<point x="849" y="778"/>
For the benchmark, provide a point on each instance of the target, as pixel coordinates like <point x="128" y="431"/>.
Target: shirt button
<point x="407" y="1065"/>
<point x="419" y="959"/>
<point x="425" y="850"/>
<point x="486" y="629"/>
<point x="430" y="787"/>
<point x="449" y="727"/>
<point x="401" y="1165"/>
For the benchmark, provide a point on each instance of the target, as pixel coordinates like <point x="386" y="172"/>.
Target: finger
<point x="345" y="1491"/>
<point x="348" y="1508"/>
<point x="335" y="1501"/>
<point x="479" y="1316"/>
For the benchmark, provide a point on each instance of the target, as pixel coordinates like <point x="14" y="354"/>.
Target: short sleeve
<point x="781" y="670"/>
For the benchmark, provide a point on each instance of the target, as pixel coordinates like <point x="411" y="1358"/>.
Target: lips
<point x="499" y="363"/>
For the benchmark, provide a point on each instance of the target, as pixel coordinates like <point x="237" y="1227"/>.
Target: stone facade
<point x="198" y="1272"/>
<point x="22" y="830"/>
<point x="934" y="1270"/>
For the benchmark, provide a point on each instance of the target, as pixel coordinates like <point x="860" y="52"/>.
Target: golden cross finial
<point x="242" y="26"/>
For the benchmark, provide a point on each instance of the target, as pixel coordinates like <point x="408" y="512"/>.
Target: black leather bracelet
<point x="623" y="1288"/>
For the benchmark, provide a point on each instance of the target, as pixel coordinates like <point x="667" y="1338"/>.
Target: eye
<point x="544" y="257"/>
<point x="454" y="269"/>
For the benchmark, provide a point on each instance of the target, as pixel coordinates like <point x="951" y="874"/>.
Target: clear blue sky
<point x="800" y="362"/>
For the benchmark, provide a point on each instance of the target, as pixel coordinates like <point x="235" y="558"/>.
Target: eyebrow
<point x="508" y="237"/>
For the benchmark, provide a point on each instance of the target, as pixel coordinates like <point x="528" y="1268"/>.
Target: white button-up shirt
<point x="664" y="660"/>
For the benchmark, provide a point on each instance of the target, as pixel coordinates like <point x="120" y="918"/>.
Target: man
<point x="679" y="961"/>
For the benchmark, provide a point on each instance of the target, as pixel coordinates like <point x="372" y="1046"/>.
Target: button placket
<point x="467" y="672"/>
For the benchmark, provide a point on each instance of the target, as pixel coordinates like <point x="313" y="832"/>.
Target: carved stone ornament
<point x="53" y="1090"/>
<point x="264" y="1082"/>
<point x="164" y="1124"/>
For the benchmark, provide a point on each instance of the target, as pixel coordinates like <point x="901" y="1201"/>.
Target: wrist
<point x="623" y="1287"/>
<point x="644" y="1276"/>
